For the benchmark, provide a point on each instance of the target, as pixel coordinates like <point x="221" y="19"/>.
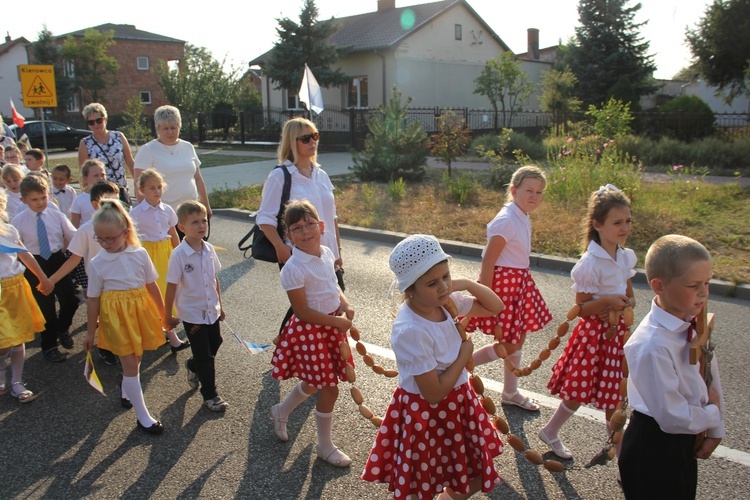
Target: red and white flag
<point x="17" y="119"/>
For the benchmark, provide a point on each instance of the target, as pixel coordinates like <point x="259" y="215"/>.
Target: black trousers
<point x="657" y="465"/>
<point x="65" y="293"/>
<point x="204" y="343"/>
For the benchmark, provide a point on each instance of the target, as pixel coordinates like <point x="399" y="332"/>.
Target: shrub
<point x="507" y="144"/>
<point x="484" y="143"/>
<point x="393" y="148"/>
<point x="612" y="119"/>
<point x="689" y="118"/>
<point x="461" y="188"/>
<point x="451" y="139"/>
<point x="397" y="189"/>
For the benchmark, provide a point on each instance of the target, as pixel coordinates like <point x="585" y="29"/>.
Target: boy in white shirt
<point x="61" y="192"/>
<point x="668" y="395"/>
<point x="193" y="288"/>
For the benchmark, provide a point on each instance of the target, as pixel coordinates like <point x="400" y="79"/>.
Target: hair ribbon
<point x="608" y="187"/>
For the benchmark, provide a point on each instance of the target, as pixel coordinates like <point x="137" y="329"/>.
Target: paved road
<point x="72" y="442"/>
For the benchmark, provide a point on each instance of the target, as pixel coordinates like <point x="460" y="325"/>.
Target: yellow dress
<point x="20" y="315"/>
<point x="160" y="251"/>
<point x="129" y="322"/>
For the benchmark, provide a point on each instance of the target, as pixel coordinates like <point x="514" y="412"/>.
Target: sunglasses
<point x="305" y="139"/>
<point x="98" y="121"/>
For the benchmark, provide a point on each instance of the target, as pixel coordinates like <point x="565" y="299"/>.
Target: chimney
<point x="7" y="36"/>
<point x="533" y="44"/>
<point x="384" y="5"/>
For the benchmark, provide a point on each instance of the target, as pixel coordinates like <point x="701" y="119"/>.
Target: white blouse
<point x="596" y="273"/>
<point x="177" y="164"/>
<point x="514" y="227"/>
<point x="10" y="266"/>
<point x="127" y="270"/>
<point x="153" y="222"/>
<point x="316" y="275"/>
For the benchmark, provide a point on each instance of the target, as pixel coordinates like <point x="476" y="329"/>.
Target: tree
<point x="94" y="69"/>
<point x="394" y="148"/>
<point x="451" y="140"/>
<point x="46" y="51"/>
<point x="608" y="56"/>
<point x="136" y="129"/>
<point x="721" y="46"/>
<point x="558" y="96"/>
<point x="302" y="43"/>
<point x="247" y="98"/>
<point x="505" y="84"/>
<point x="199" y="84"/>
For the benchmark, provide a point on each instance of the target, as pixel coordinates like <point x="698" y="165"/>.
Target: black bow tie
<point x="61" y="191"/>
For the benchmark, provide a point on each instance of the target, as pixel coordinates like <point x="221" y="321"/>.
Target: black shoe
<point x="66" y="340"/>
<point x="54" y="355"/>
<point x="108" y="357"/>
<point x="125" y="402"/>
<point x="156" y="428"/>
<point x="180" y="347"/>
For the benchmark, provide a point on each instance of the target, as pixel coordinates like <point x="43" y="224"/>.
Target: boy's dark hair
<point x="296" y="211"/>
<point x="188" y="208"/>
<point x="37" y="153"/>
<point x="99" y="189"/>
<point x="33" y="184"/>
<point x="64" y="169"/>
<point x="672" y="255"/>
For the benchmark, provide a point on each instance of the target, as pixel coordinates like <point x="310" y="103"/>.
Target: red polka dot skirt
<point x="310" y="353"/>
<point x="422" y="448"/>
<point x="590" y="368"/>
<point x="525" y="310"/>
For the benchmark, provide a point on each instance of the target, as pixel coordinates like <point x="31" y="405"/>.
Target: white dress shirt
<point x="514" y="227"/>
<point x="153" y="222"/>
<point x="64" y="198"/>
<point x="59" y="229"/>
<point x="194" y="273"/>
<point x="662" y="382"/>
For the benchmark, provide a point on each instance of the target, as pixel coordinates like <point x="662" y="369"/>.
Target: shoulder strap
<point x="285" y="193"/>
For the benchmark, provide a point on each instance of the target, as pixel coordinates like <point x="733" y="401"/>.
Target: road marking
<point x="736" y="456"/>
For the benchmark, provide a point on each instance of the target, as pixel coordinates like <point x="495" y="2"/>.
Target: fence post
<point x="242" y="127"/>
<point x="352" y="127"/>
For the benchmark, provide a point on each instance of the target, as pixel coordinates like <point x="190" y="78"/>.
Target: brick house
<point x="137" y="53"/>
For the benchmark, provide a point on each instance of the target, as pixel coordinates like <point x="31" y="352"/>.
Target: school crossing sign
<point x="38" y="85"/>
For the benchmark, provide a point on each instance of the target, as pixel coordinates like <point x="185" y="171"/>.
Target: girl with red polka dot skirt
<point x="590" y="368"/>
<point x="436" y="438"/>
<point x="505" y="267"/>
<point x="308" y="346"/>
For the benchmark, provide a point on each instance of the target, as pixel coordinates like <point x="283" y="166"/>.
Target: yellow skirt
<point x="159" y="251"/>
<point x="20" y="315"/>
<point x="129" y="322"/>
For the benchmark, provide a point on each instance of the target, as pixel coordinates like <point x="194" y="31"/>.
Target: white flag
<point x="309" y="92"/>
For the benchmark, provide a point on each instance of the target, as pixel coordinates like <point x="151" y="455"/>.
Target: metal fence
<point x="348" y="127"/>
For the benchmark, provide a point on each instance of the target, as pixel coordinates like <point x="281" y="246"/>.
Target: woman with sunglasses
<point x="298" y="151"/>
<point x="109" y="147"/>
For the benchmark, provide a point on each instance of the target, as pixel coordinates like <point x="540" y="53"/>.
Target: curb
<point x="718" y="288"/>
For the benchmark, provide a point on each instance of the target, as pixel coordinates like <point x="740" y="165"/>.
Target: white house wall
<point x="10" y="84"/>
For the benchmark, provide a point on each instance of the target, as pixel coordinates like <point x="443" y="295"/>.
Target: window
<point x="69" y="69"/>
<point x="73" y="105"/>
<point x="292" y="100"/>
<point x="142" y="62"/>
<point x="458" y="32"/>
<point x="357" y="94"/>
<point x="145" y="97"/>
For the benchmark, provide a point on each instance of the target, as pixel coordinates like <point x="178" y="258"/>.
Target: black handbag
<point x="260" y="247"/>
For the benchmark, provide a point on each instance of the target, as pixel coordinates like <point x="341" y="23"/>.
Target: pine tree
<point x="609" y="58"/>
<point x="394" y="149"/>
<point x="302" y="43"/>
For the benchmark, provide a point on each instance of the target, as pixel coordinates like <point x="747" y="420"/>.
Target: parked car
<point x="59" y="135"/>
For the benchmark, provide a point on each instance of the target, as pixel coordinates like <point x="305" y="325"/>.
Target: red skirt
<point x="590" y="368"/>
<point x="422" y="448"/>
<point x="310" y="353"/>
<point x="525" y="310"/>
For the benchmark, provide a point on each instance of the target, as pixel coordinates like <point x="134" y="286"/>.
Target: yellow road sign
<point x="38" y="85"/>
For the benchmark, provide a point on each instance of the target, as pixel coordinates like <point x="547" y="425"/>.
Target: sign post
<point x="38" y="89"/>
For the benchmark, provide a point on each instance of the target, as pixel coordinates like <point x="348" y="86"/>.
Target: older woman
<point x="175" y="159"/>
<point x="109" y="147"/>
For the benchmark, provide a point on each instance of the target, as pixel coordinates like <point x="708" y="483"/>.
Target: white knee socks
<point x="132" y="388"/>
<point x="324" y="422"/>
<point x="484" y="355"/>
<point x="295" y="397"/>
<point x="17" y="359"/>
<point x="510" y="381"/>
<point x="562" y="414"/>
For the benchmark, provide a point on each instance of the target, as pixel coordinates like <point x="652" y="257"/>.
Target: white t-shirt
<point x="514" y="227"/>
<point x="662" y="382"/>
<point x="82" y="206"/>
<point x="177" y="165"/>
<point x="10" y="266"/>
<point x="421" y="345"/>
<point x="84" y="245"/>
<point x="127" y="270"/>
<point x="318" y="190"/>
<point x="153" y="222"/>
<point x="596" y="273"/>
<point x="194" y="273"/>
<point x="316" y="275"/>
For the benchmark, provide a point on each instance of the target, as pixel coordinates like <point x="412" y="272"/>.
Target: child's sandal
<point x="25" y="396"/>
<point x="336" y="457"/>
<point x="526" y="404"/>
